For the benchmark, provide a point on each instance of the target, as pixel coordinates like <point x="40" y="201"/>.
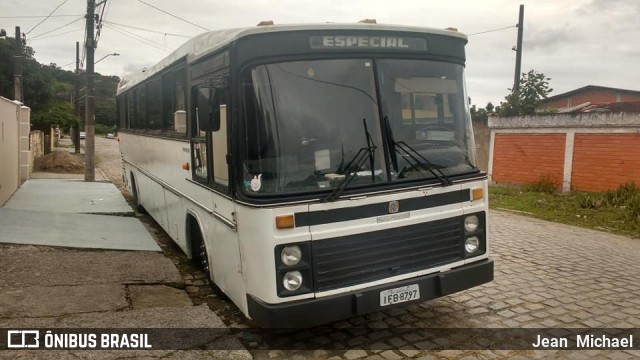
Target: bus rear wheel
<point x="136" y="198"/>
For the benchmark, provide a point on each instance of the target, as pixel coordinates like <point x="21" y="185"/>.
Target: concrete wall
<point x="23" y="142"/>
<point x="587" y="151"/>
<point x="9" y="126"/>
<point x="36" y="147"/>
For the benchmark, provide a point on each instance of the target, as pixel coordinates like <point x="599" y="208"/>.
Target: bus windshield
<point x="309" y="125"/>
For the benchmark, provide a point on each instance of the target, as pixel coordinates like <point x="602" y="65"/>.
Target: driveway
<point x="547" y="275"/>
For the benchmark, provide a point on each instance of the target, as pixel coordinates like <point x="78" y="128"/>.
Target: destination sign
<point x="367" y="42"/>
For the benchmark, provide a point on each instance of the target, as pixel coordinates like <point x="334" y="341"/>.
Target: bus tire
<point x="198" y="248"/>
<point x="136" y="199"/>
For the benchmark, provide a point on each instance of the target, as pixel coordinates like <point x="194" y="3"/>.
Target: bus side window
<point x="199" y="141"/>
<point x="219" y="138"/>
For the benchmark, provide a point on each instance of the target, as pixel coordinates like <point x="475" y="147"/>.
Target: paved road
<point x="547" y="275"/>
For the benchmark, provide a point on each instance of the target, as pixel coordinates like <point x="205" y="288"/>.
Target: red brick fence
<point x="586" y="151"/>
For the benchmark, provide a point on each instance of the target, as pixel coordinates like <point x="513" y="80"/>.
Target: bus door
<point x="209" y="153"/>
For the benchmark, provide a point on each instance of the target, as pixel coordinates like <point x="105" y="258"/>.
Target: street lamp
<point x="102" y="58"/>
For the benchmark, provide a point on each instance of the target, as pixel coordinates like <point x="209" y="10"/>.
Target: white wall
<point x="14" y="146"/>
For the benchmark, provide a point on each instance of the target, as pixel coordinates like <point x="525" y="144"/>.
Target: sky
<point x="573" y="42"/>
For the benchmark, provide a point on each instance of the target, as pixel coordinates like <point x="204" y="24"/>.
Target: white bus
<point x="316" y="172"/>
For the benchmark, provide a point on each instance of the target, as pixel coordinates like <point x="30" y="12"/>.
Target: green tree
<point x="58" y="114"/>
<point x="48" y="89"/>
<point x="534" y="87"/>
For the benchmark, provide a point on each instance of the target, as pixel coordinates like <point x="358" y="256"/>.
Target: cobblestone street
<point x="547" y="275"/>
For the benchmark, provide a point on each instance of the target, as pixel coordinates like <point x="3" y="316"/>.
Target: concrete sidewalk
<point x="66" y="285"/>
<point x="72" y="213"/>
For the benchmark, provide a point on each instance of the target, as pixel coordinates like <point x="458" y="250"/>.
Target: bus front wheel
<point x="198" y="248"/>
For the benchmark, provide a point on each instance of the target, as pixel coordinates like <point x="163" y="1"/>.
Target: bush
<point x="626" y="197"/>
<point x="103" y="129"/>
<point x="544" y="184"/>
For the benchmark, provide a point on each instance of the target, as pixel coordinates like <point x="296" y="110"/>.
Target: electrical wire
<point x="58" y="28"/>
<point x="135" y="37"/>
<point x="99" y="25"/>
<point x="147" y="30"/>
<point x="48" y="16"/>
<point x="494" y="30"/>
<point x="50" y="36"/>
<point x="35" y="16"/>
<point x="84" y="48"/>
<point x="175" y="16"/>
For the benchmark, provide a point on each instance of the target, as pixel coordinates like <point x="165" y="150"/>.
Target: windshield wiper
<point x="418" y="160"/>
<point x="350" y="170"/>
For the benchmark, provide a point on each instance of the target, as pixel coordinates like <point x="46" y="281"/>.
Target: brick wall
<point x="603" y="161"/>
<point x="587" y="151"/>
<point x="525" y="158"/>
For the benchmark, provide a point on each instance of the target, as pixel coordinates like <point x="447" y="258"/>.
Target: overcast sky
<point x="574" y="42"/>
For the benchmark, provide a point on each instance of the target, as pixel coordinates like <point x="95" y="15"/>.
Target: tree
<point x="489" y="107"/>
<point x="48" y="89"/>
<point x="534" y="87"/>
<point x="60" y="114"/>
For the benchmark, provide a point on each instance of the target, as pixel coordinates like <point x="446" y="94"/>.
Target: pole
<point x="76" y="103"/>
<point x="17" y="67"/>
<point x="516" y="78"/>
<point x="90" y="120"/>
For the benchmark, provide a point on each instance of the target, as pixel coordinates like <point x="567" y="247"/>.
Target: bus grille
<point x="361" y="258"/>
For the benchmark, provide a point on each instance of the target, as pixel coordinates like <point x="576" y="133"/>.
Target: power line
<point x="494" y="30"/>
<point x="58" y="28"/>
<point x="99" y="26"/>
<point x="129" y="33"/>
<point x="147" y="30"/>
<point x="36" y="16"/>
<point x="175" y="16"/>
<point x="50" y="36"/>
<point x="48" y="16"/>
<point x="133" y="36"/>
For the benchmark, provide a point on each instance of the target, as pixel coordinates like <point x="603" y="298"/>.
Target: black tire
<point x="199" y="249"/>
<point x="136" y="199"/>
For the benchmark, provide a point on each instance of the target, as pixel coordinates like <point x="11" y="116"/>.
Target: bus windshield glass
<point x="315" y="125"/>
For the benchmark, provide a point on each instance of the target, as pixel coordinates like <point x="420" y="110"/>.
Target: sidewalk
<point x="82" y="278"/>
<point x="72" y="213"/>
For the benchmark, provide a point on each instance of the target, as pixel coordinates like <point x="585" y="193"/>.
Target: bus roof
<point x="207" y="43"/>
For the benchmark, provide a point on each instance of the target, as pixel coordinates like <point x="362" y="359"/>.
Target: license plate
<point x="399" y="295"/>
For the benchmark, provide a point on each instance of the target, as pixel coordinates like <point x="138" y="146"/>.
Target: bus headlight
<point x="291" y="255"/>
<point x="472" y="244"/>
<point x="471" y="223"/>
<point x="292" y="280"/>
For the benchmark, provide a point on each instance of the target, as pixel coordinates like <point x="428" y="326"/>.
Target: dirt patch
<point x="60" y="162"/>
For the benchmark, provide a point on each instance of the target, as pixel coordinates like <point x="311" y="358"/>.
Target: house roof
<point x="592" y="88"/>
<point x="616" y="107"/>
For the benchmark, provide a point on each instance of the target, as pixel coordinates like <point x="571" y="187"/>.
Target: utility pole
<point x="516" y="78"/>
<point x="17" y="67"/>
<point x="90" y="120"/>
<point x="76" y="103"/>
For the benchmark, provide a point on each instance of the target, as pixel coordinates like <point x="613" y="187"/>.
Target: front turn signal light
<point x="285" y="221"/>
<point x="477" y="194"/>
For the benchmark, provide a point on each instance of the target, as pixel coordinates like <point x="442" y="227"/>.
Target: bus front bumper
<point x="311" y="312"/>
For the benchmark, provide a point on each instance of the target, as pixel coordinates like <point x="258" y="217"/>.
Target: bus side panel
<point x="224" y="252"/>
<point x="153" y="200"/>
<point x="176" y="220"/>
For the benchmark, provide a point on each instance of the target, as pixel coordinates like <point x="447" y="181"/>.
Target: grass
<point x="616" y="211"/>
